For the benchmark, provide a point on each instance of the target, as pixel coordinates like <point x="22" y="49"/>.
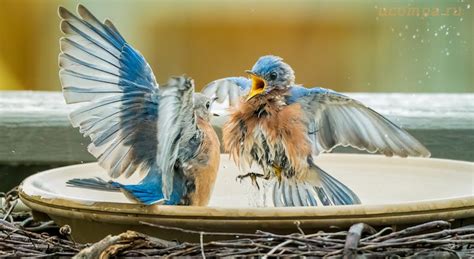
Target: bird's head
<point x="202" y="105"/>
<point x="270" y="72"/>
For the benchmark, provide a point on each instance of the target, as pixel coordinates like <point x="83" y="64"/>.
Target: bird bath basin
<point x="394" y="192"/>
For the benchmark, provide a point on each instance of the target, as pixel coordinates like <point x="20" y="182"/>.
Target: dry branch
<point x="20" y="235"/>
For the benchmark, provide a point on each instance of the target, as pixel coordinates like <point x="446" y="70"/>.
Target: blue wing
<point x="124" y="107"/>
<point x="335" y="119"/>
<point x="228" y="89"/>
<point x="99" y="68"/>
<point x="178" y="124"/>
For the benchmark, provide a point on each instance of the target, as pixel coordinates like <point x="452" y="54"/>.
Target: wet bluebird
<point x="281" y="126"/>
<point x="135" y="126"/>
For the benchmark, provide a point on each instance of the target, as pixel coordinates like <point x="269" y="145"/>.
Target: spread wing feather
<point x="228" y="89"/>
<point x="119" y="90"/>
<point x="335" y="120"/>
<point x="178" y="121"/>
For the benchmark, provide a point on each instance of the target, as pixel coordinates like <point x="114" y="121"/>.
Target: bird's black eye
<point x="273" y="76"/>
<point x="208" y="104"/>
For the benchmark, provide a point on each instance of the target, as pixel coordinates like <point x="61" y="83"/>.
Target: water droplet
<point x="468" y="6"/>
<point x="406" y="27"/>
<point x="428" y="29"/>
<point x="461" y="19"/>
<point x="436" y="34"/>
<point x="399" y="34"/>
<point x="447" y="53"/>
<point x="416" y="30"/>
<point x="414" y="36"/>
<point x="447" y="32"/>
<point x="422" y="40"/>
<point x="13" y="151"/>
<point x="426" y="73"/>
<point x="458" y="34"/>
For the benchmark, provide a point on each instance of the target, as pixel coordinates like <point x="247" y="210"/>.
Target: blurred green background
<point x="370" y="46"/>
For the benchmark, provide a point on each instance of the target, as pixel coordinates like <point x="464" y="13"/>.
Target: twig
<point x="429" y="239"/>
<point x="353" y="238"/>
<point x="416" y="229"/>
<point x="202" y="244"/>
<point x="10" y="210"/>
<point x="381" y="232"/>
<point x="198" y="232"/>
<point x="298" y="226"/>
<point x="278" y="247"/>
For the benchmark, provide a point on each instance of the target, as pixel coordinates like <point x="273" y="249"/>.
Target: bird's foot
<point x="253" y="177"/>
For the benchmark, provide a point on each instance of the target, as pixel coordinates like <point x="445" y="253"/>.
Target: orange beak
<point x="258" y="85"/>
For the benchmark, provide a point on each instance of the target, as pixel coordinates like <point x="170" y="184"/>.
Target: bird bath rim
<point x="91" y="221"/>
<point x="244" y="212"/>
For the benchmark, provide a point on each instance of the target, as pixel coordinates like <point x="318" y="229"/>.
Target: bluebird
<point x="282" y="126"/>
<point x="135" y="126"/>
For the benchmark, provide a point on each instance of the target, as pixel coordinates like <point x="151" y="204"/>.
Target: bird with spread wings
<point x="281" y="126"/>
<point x="135" y="126"/>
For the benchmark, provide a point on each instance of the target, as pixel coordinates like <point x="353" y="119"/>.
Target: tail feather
<point x="322" y="190"/>
<point x="292" y="193"/>
<point x="310" y="199"/>
<point x="288" y="195"/>
<point x="295" y="195"/>
<point x="277" y="195"/>
<point x="94" y="184"/>
<point x="323" y="197"/>
<point x="145" y="192"/>
<point x="338" y="193"/>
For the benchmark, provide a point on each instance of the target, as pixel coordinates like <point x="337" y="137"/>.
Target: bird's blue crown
<point x="266" y="64"/>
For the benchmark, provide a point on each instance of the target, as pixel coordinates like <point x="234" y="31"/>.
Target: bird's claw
<point x="253" y="178"/>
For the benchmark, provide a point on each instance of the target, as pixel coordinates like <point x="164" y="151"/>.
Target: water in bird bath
<point x="376" y="179"/>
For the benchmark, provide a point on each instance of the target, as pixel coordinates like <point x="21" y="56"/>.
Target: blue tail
<point x="335" y="192"/>
<point x="94" y="184"/>
<point x="147" y="192"/>
<point x="319" y="189"/>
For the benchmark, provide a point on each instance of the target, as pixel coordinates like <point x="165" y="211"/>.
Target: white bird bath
<point x="394" y="192"/>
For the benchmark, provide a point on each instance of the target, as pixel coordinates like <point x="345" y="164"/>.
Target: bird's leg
<point x="277" y="170"/>
<point x="253" y="177"/>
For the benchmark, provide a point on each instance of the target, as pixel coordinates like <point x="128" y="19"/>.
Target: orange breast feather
<point x="204" y="168"/>
<point x="281" y="125"/>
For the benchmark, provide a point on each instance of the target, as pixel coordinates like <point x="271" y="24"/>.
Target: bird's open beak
<point x="258" y="85"/>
